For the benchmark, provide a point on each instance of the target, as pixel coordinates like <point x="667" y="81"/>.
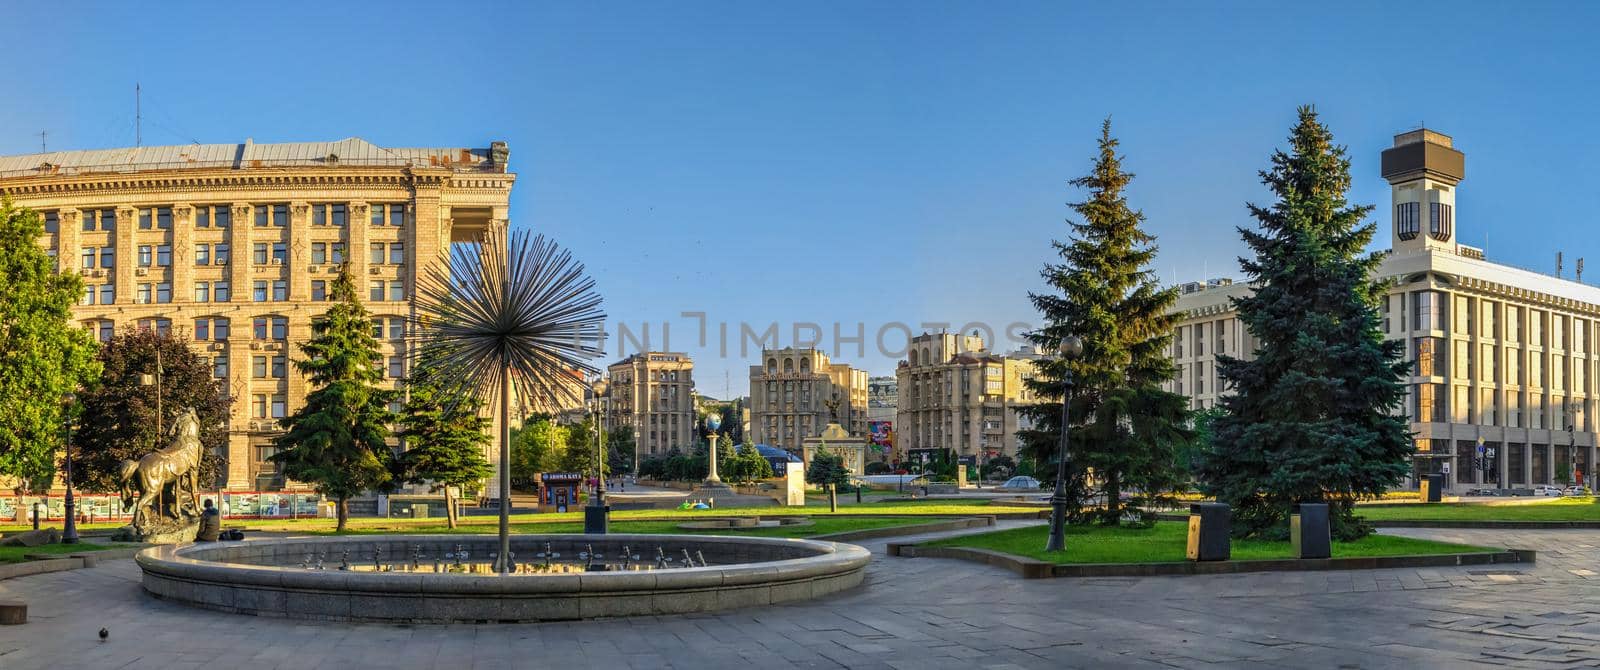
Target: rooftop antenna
<point x="42" y="148"/>
<point x="1580" y="271"/>
<point x="138" y="117"/>
<point x="1558" y="265"/>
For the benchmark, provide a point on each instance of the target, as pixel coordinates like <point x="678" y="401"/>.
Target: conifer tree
<point x="444" y="438"/>
<point x="1314" y="415"/>
<point x="338" y="441"/>
<point x="1125" y="426"/>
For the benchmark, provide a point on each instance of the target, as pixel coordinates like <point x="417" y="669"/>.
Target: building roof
<point x="352" y="151"/>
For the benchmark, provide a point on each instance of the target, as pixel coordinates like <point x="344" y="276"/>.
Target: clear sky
<point x="852" y="162"/>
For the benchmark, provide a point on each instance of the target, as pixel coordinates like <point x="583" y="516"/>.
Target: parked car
<point x="1480" y="492"/>
<point x="1547" y="490"/>
<point x="1577" y="491"/>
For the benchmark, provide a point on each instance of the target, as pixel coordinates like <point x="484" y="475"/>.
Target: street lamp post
<point x="69" y="530"/>
<point x="595" y="514"/>
<point x="1069" y="349"/>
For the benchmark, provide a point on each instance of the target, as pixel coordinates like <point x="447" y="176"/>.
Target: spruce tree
<point x="338" y="441"/>
<point x="444" y="439"/>
<point x="1125" y="426"/>
<point x="1314" y="415"/>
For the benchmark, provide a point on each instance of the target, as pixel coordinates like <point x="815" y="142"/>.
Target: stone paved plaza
<point x="913" y="614"/>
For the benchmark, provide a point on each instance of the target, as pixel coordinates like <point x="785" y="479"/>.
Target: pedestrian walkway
<point x="912" y="614"/>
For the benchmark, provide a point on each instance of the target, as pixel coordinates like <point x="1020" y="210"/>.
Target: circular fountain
<point x="439" y="578"/>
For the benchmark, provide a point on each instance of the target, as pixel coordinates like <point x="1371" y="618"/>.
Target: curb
<point x="1029" y="568"/>
<point x="1486" y="525"/>
<point x="66" y="562"/>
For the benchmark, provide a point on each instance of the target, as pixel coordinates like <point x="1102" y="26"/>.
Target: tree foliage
<point x="444" y="438"/>
<point x="536" y="447"/>
<point x="1315" y="415"/>
<point x="119" y="422"/>
<point x="1124" y="424"/>
<point x="827" y="470"/>
<point x="43" y="354"/>
<point x="338" y="441"/>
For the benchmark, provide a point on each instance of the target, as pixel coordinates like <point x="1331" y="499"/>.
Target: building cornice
<point x="179" y="181"/>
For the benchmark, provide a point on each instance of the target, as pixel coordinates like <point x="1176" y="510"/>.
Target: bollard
<point x="1309" y="531"/>
<point x="1209" y="526"/>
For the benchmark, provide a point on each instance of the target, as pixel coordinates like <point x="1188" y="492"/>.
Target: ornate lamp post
<point x="595" y="514"/>
<point x="1069" y="350"/>
<point x="69" y="530"/>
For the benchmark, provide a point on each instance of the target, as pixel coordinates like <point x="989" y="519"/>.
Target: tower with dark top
<point x="1423" y="169"/>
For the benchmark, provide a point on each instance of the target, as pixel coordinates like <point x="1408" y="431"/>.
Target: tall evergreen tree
<point x="1125" y="426"/>
<point x="119" y="414"/>
<point x="444" y="441"/>
<point x="43" y="354"/>
<point x="338" y="441"/>
<point x="1314" y="415"/>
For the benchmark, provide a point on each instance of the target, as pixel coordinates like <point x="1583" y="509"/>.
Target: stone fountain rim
<point x="829" y="558"/>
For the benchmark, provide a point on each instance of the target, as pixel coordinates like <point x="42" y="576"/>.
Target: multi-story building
<point x="1503" y="357"/>
<point x="956" y="396"/>
<point x="797" y="392"/>
<point x="233" y="247"/>
<point x="883" y="395"/>
<point x="653" y="393"/>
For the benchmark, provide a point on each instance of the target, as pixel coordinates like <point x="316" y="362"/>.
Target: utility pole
<point x="42" y="147"/>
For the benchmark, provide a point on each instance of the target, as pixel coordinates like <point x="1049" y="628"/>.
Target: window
<point x="338" y="215"/>
<point x="258" y="406"/>
<point x="88" y="257"/>
<point x="1439" y="221"/>
<point x="1408" y="219"/>
<point x="1428" y="403"/>
<point x="397" y="367"/>
<point x="261" y="216"/>
<point x="142" y="297"/>
<point x="397" y="291"/>
<point x="88" y="296"/>
<point x="108" y="220"/>
<point x="280" y="290"/>
<point x="337" y="253"/>
<point x="202" y="330"/>
<point x="164" y="292"/>
<point x="375" y="253"/>
<point x="89" y="217"/>
<point x="397" y="215"/>
<point x="107" y="330"/>
<point x="1428" y="310"/>
<point x="202" y="292"/>
<point x="145" y="219"/>
<point x="220" y="291"/>
<point x="164" y="255"/>
<point x="219" y="367"/>
<point x="279" y="405"/>
<point x="259" y="327"/>
<point x="211" y="329"/>
<point x="52" y="222"/>
<point x="261" y="253"/>
<point x="397" y="256"/>
<point x="280" y="216"/>
<point x="202" y="254"/>
<point x="280" y="328"/>
<point x="145" y="256"/>
<point x="164" y="218"/>
<point x="319" y="253"/>
<point x="220" y="254"/>
<point x="279" y="367"/>
<point x="376" y="292"/>
<point x="206" y="215"/>
<point x="397" y="328"/>
<point x="319" y="290"/>
<point x="1429" y="354"/>
<point x="108" y="294"/>
<point x="260" y="290"/>
<point x="202" y="216"/>
<point x="280" y="253"/>
<point x="108" y="257"/>
<point x="319" y="215"/>
<point x="157" y="326"/>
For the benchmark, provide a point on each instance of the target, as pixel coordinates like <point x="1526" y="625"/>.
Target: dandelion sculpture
<point x="509" y="311"/>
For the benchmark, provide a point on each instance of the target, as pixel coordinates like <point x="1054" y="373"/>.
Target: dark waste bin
<point x="1209" y="526"/>
<point x="1432" y="488"/>
<point x="1309" y="531"/>
<point x="596" y="519"/>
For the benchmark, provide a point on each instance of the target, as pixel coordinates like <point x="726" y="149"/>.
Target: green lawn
<point x="822" y="526"/>
<point x="1166" y="542"/>
<point x="1577" y="508"/>
<point x="15" y="554"/>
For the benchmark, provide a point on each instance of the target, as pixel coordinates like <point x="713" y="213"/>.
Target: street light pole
<point x="595" y="518"/>
<point x="1069" y="349"/>
<point x="69" y="530"/>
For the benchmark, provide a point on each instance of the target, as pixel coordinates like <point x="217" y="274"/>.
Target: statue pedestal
<point x="712" y="489"/>
<point x="169" y="532"/>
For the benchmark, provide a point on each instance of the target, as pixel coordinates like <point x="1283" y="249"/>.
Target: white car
<point x="1547" y="490"/>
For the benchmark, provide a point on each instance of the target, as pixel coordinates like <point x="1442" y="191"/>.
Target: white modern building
<point x="1503" y="356"/>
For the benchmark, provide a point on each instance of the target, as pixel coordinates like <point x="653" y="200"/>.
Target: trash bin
<point x="1209" y="525"/>
<point x="1309" y="531"/>
<point x="1432" y="488"/>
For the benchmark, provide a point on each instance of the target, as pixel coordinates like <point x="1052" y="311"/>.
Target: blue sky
<point x="849" y="162"/>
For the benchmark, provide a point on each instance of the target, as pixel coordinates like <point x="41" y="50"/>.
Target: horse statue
<point x="177" y="465"/>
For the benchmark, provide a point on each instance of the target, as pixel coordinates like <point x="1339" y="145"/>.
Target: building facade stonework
<point x="1500" y="356"/>
<point x="234" y="247"/>
<point x="652" y="392"/>
<point x="796" y="392"/>
<point x="955" y="397"/>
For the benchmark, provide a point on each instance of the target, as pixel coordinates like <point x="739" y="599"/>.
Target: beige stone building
<point x="653" y="393"/>
<point x="790" y="394"/>
<point x="234" y="247"/>
<point x="1500" y="354"/>
<point x="956" y="395"/>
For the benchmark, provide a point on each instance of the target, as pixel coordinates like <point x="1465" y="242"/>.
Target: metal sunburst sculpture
<point x="509" y="313"/>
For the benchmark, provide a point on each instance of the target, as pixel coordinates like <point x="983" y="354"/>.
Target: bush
<point x="877" y="468"/>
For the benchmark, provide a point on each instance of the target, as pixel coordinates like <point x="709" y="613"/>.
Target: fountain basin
<point x="266" y="577"/>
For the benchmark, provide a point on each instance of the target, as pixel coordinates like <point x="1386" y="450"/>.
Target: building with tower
<point x="1503" y="358"/>
<point x="797" y="391"/>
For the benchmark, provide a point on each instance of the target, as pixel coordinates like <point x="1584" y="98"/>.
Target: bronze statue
<point x="172" y="467"/>
<point x="833" y="407"/>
